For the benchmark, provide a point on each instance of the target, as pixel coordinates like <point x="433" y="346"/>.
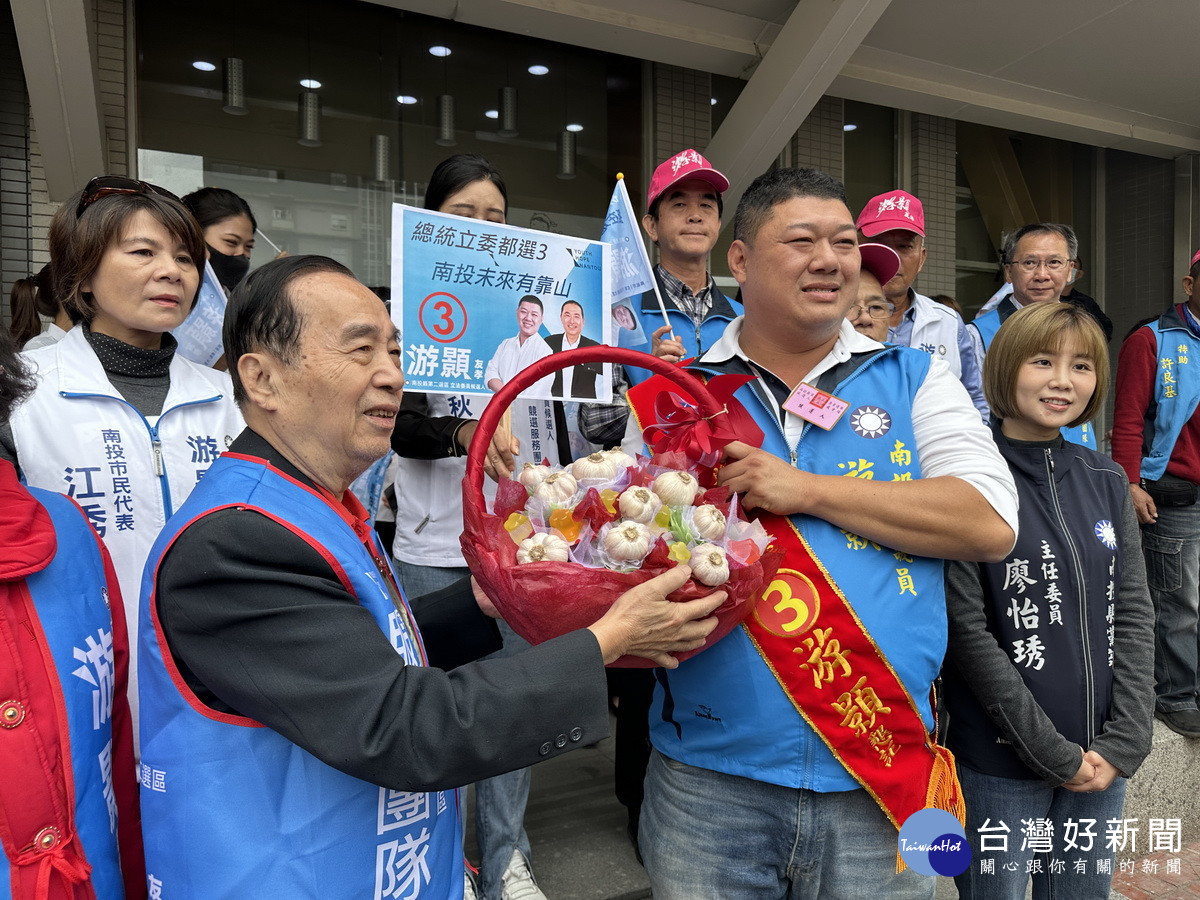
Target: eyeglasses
<point x="107" y="185"/>
<point x="874" y="310"/>
<point x="1054" y="264"/>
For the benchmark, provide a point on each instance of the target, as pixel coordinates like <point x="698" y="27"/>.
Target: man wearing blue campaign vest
<point x="1037" y="262"/>
<point x="906" y="475"/>
<point x="296" y="740"/>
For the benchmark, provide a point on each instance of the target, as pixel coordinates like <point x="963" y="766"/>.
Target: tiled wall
<point x="15" y="250"/>
<point x="682" y="110"/>
<point x="819" y="141"/>
<point x="1139" y="210"/>
<point x="933" y="177"/>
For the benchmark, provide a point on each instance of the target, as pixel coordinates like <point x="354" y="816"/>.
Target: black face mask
<point x="230" y="270"/>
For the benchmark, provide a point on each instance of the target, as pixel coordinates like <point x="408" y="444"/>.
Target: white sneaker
<point x="518" y="881"/>
<point x="469" y="886"/>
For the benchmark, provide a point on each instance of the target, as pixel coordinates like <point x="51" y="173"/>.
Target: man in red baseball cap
<point x="870" y="315"/>
<point x="683" y="219"/>
<point x="897" y="219"/>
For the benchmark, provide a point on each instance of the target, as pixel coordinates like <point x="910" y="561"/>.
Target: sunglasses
<point x="108" y="185"/>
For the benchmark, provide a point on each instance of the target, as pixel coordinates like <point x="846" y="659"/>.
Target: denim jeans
<point x="500" y="801"/>
<point x="1008" y="801"/>
<point x="706" y="835"/>
<point x="1172" y="550"/>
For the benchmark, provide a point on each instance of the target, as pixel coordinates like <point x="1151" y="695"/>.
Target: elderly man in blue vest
<point x="788" y="753"/>
<point x="897" y="219"/>
<point x="297" y="741"/>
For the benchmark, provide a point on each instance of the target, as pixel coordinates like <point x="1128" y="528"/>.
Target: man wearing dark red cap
<point x="870" y="315"/>
<point x="1156" y="439"/>
<point x="897" y="219"/>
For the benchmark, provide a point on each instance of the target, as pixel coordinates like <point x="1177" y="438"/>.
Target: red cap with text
<point x="684" y="166"/>
<point x="890" y="211"/>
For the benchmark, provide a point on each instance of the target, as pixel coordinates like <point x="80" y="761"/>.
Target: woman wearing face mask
<point x="229" y="228"/>
<point x="118" y="420"/>
<point x="1049" y="674"/>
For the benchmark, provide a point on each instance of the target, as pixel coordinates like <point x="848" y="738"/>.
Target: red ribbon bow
<point x="680" y="427"/>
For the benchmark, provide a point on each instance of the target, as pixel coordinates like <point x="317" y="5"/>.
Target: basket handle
<point x="482" y="439"/>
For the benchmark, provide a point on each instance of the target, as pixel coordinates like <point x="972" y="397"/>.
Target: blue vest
<point x="1176" y="389"/>
<point x="723" y="709"/>
<point x="71" y="600"/>
<point x="696" y="341"/>
<point x="987" y="325"/>
<point x="231" y="809"/>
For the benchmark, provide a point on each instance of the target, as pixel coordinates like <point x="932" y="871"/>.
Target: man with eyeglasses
<point x="897" y="219"/>
<point x="872" y="312"/>
<point x="1037" y="261"/>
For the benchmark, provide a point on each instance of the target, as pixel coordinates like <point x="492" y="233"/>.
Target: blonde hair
<point x="1037" y="328"/>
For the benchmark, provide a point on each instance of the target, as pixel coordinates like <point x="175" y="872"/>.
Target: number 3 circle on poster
<point x="443" y="317"/>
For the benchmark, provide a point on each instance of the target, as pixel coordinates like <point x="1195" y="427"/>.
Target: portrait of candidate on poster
<point x="480" y="301"/>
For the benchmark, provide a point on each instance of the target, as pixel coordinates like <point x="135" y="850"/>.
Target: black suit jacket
<point x="583" y="377"/>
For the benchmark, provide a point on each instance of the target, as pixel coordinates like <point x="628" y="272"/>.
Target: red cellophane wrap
<point x="546" y="599"/>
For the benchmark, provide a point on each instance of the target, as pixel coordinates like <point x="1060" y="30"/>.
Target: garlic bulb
<point x="639" y="504"/>
<point x="676" y="488"/>
<point x="709" y="522"/>
<point x="709" y="565"/>
<point x="531" y="475"/>
<point x="557" y="487"/>
<point x="595" y="466"/>
<point x="627" y="541"/>
<point x="620" y="458"/>
<point x="542" y="547"/>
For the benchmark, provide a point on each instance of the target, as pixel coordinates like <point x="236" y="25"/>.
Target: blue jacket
<point x="234" y="809"/>
<point x="1050" y="605"/>
<point x="723" y="709"/>
<point x="1175" y="401"/>
<point x="695" y="340"/>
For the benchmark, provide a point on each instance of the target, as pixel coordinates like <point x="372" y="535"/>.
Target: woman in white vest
<point x="118" y="421"/>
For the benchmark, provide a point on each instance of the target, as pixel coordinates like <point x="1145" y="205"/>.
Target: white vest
<point x="429" y="517"/>
<point x="77" y="435"/>
<point x="935" y="330"/>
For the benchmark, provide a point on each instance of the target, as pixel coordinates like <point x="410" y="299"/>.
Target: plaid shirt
<point x="694" y="306"/>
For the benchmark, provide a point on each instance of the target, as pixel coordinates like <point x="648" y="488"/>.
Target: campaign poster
<point x="479" y="302"/>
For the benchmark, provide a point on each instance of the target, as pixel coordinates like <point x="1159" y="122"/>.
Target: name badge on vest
<point x="814" y="405"/>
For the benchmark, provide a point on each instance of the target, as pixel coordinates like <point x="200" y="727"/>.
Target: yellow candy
<point x="679" y="552"/>
<point x="663" y="519"/>
<point x="518" y="527"/>
<point x="566" y="524"/>
<point x="609" y="496"/>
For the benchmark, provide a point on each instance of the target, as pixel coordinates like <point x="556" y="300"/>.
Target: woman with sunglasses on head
<point x="118" y="420"/>
<point x="1049" y="674"/>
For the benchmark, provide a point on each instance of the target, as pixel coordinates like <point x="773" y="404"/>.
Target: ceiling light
<point x="574" y="126"/>
<point x="492" y="113"/>
<point x="849" y="127"/>
<point x="204" y="66"/>
<point x="712" y="101"/>
<point x="406" y="99"/>
<point x="539" y="69"/>
<point x="311" y="83"/>
<point x="439" y="50"/>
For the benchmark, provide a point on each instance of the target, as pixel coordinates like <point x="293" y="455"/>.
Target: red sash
<point x="833" y="671"/>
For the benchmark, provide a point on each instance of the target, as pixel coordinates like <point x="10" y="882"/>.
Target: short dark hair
<point x="530" y="298"/>
<point x="262" y="315"/>
<point x="16" y="377"/>
<point x="454" y="173"/>
<point x="211" y="205"/>
<point x="653" y="210"/>
<point x="78" y="242"/>
<point x="778" y="186"/>
<point x="575" y="302"/>
<point x="1194" y="271"/>
<point x="1066" y="232"/>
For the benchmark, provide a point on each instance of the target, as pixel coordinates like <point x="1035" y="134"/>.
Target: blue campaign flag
<point x="630" y="266"/>
<point x="199" y="335"/>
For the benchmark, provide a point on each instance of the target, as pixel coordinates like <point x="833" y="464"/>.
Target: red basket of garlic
<point x="560" y="544"/>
